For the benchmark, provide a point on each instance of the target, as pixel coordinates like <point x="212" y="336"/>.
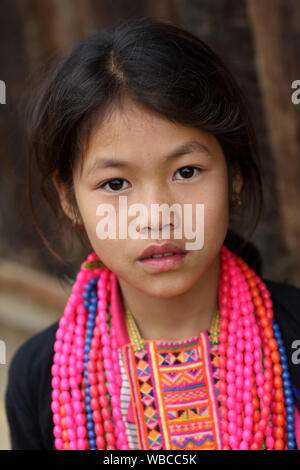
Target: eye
<point x="187" y="171"/>
<point x="114" y="184"/>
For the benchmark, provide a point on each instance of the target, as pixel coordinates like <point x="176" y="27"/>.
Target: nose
<point x="157" y="221"/>
<point x="160" y="216"/>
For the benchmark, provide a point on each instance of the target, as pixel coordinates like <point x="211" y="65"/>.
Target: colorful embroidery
<point x="174" y="388"/>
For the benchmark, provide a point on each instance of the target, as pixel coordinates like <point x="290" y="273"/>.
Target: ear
<point x="237" y="182"/>
<point x="63" y="194"/>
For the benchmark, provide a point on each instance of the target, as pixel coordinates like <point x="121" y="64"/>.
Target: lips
<point x="160" y="250"/>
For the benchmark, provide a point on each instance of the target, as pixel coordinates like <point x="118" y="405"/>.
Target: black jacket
<point x="28" y="393"/>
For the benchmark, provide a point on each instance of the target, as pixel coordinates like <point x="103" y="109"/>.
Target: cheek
<point x="214" y="197"/>
<point x="88" y="203"/>
<point x="216" y="211"/>
<point x="216" y="218"/>
<point x="90" y="220"/>
<point x="105" y="248"/>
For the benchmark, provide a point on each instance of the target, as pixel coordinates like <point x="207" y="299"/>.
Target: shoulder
<point x="28" y="392"/>
<point x="34" y="353"/>
<point x="286" y="294"/>
<point x="286" y="309"/>
<point x="286" y="305"/>
<point x="30" y="366"/>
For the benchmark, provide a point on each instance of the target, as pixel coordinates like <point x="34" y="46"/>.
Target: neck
<point x="175" y="317"/>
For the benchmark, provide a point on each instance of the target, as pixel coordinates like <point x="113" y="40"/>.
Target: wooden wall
<point x="258" y="40"/>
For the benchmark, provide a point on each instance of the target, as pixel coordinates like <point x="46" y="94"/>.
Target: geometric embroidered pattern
<point x="174" y="392"/>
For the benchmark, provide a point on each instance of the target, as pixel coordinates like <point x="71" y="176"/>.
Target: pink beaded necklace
<point x="86" y="374"/>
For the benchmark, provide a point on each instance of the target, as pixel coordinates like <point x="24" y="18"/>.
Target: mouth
<point x="162" y="257"/>
<point x="163" y="262"/>
<point x="165" y="255"/>
<point x="162" y="250"/>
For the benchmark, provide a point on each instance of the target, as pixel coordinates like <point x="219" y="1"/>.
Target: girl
<point x="160" y="346"/>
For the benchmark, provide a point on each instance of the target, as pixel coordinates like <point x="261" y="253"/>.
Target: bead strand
<point x="107" y="377"/>
<point x="260" y="403"/>
<point x="234" y="399"/>
<point x="224" y="312"/>
<point x="260" y="399"/>
<point x="90" y="296"/>
<point x="246" y="349"/>
<point x="253" y="370"/>
<point x="287" y="386"/>
<point x="120" y="429"/>
<point x="273" y="392"/>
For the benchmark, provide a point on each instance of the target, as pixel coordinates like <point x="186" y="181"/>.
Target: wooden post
<point x="278" y="67"/>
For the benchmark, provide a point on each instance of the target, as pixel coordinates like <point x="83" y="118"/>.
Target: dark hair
<point x="167" y="70"/>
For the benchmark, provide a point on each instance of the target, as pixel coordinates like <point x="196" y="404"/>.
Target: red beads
<point x="250" y="374"/>
<point x="68" y="405"/>
<point x="241" y="285"/>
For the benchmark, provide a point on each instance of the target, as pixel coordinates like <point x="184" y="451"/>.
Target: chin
<point x="166" y="289"/>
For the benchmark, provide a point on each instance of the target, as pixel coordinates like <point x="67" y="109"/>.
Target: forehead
<point x="136" y="134"/>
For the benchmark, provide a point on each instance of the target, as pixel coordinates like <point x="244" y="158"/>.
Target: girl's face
<point x="139" y="142"/>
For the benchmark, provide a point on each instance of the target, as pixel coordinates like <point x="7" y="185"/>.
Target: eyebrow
<point x="184" y="149"/>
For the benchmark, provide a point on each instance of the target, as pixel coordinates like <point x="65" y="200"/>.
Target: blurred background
<point x="260" y="43"/>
